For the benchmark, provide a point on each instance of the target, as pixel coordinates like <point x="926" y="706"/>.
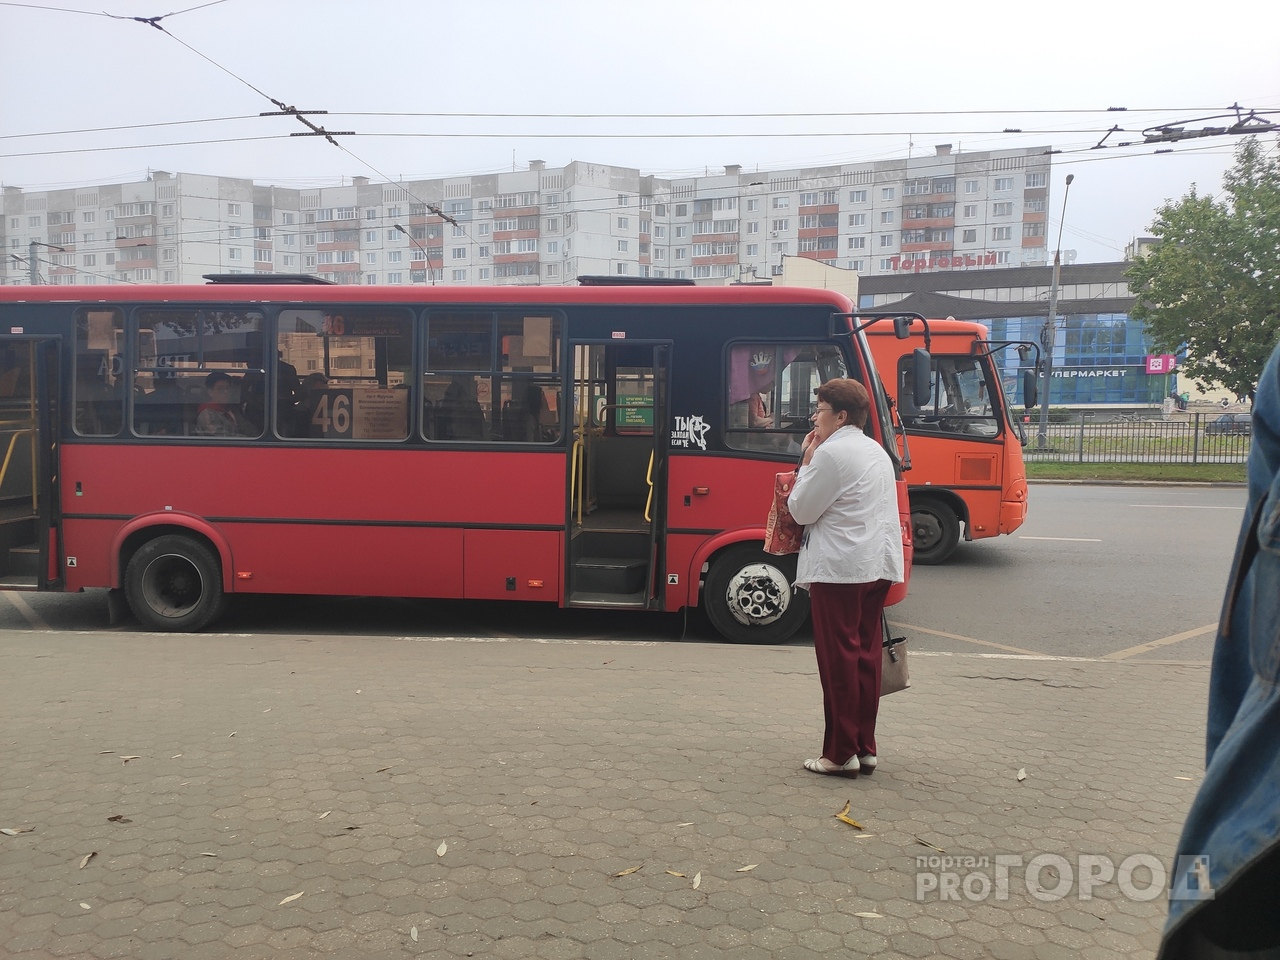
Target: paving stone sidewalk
<point x="244" y="797"/>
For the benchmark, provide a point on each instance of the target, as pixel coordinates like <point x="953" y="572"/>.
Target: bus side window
<point x="99" y="371"/>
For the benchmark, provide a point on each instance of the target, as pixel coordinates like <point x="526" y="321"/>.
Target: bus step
<point x="24" y="561"/>
<point x="10" y="582"/>
<point x="608" y="601"/>
<point x="609" y="575"/>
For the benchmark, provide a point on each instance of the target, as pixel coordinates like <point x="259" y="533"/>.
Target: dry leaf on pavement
<point x="697" y="880"/>
<point x="1022" y="773"/>
<point x="870" y="916"/>
<point x="413" y="934"/>
<point x="11" y="832"/>
<point x="84" y="861"/>
<point x="291" y="899"/>
<point x="676" y="873"/>
<point x="926" y="843"/>
<point x="440" y="850"/>
<point x="118" y="818"/>
<point x="750" y="866"/>
<point x="323" y="815"/>
<point x="628" y="871"/>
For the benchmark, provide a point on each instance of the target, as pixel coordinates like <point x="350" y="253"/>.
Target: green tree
<point x="1211" y="284"/>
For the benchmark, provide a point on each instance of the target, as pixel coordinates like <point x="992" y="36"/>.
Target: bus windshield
<point x="961" y="399"/>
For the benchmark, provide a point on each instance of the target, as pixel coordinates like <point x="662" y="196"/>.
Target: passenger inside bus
<point x="525" y="417"/>
<point x="220" y="415"/>
<point x="97" y="403"/>
<point x="310" y="393"/>
<point x="459" y="415"/>
<point x="157" y="411"/>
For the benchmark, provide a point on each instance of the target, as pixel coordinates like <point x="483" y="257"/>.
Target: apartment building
<point x="944" y="211"/>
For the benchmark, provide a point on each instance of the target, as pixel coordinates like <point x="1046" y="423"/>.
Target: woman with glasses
<point x="850" y="555"/>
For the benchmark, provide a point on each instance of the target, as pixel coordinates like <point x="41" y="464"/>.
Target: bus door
<point x="617" y="473"/>
<point x="30" y="515"/>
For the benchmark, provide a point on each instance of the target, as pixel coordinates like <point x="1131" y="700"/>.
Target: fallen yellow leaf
<point x="750" y="866"/>
<point x="676" y="873"/>
<point x="87" y="857"/>
<point x="440" y="850"/>
<point x="628" y="871"/>
<point x="291" y="899"/>
<point x="697" y="880"/>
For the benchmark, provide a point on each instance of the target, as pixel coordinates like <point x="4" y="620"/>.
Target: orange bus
<point x="587" y="446"/>
<point x="964" y="460"/>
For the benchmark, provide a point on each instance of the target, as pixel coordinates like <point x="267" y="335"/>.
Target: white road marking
<point x="956" y="636"/>
<point x="1128" y="652"/>
<point x="24" y="608"/>
<point x="1067" y="539"/>
<point x="1181" y="506"/>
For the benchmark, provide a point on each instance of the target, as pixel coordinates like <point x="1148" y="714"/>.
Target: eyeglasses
<point x="818" y="410"/>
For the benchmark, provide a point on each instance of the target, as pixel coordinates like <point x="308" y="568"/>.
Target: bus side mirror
<point x="921" y="370"/>
<point x="902" y="327"/>
<point x="1030" y="388"/>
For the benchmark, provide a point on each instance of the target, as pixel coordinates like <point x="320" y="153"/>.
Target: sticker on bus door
<point x="690" y="432"/>
<point x="361" y="413"/>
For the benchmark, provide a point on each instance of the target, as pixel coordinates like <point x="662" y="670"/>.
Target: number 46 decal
<point x="333" y="415"/>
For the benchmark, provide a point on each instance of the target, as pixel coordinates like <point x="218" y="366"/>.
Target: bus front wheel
<point x="749" y="597"/>
<point x="174" y="583"/>
<point x="935" y="531"/>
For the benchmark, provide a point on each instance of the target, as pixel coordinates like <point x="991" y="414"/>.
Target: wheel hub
<point x="758" y="594"/>
<point x="926" y="530"/>
<point x="172" y="586"/>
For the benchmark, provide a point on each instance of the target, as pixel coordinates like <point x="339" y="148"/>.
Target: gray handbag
<point x="893" y="671"/>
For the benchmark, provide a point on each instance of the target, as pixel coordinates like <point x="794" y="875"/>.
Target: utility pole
<point x="1048" y="333"/>
<point x="33" y="259"/>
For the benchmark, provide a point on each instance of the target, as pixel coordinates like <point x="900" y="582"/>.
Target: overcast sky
<point x="852" y="81"/>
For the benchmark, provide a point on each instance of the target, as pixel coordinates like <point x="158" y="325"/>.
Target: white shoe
<point x="827" y="768"/>
<point x="868" y="764"/>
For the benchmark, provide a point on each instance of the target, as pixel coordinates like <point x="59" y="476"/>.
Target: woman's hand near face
<point x="810" y="444"/>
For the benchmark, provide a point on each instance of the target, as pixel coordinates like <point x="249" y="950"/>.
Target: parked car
<point x="1230" y="423"/>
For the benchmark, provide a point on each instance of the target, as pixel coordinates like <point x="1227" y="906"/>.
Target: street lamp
<point x="431" y="273"/>
<point x="1048" y="332"/>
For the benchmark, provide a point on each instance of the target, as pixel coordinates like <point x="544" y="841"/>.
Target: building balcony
<point x="930" y="246"/>
<point x="928" y="223"/>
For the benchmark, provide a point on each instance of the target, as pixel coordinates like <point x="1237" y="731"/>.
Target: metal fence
<point x="1191" y="438"/>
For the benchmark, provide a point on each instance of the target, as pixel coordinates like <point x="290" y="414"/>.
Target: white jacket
<point x="848" y="504"/>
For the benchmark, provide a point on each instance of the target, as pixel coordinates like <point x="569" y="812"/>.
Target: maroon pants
<point x="846" y="637"/>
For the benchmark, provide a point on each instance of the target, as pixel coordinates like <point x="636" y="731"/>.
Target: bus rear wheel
<point x="935" y="531"/>
<point x="174" y="583"/>
<point x="750" y="599"/>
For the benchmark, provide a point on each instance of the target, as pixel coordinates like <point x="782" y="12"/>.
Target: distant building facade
<point x="1101" y="355"/>
<point x="919" y="215"/>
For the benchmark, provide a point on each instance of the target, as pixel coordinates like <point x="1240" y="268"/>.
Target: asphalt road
<point x="1116" y="572"/>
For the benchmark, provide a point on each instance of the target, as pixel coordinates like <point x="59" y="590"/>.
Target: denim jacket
<point x="1231" y="900"/>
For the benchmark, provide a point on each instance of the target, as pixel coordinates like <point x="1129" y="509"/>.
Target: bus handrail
<point x="575" y="469"/>
<point x="648" y="478"/>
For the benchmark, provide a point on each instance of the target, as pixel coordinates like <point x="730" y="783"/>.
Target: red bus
<point x="964" y="462"/>
<point x="592" y="446"/>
